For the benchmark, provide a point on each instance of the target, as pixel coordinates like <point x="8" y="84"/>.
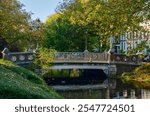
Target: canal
<point x="109" y="89"/>
<point x="92" y="84"/>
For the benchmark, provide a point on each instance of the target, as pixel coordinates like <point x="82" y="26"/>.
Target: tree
<point x="36" y="33"/>
<point x="13" y="22"/>
<point x="44" y="57"/>
<point x="16" y="27"/>
<point x="64" y="36"/>
<point x="106" y="18"/>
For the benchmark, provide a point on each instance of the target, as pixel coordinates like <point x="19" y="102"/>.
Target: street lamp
<point x="34" y="26"/>
<point x="111" y="49"/>
<point x="30" y="42"/>
<point x="86" y="49"/>
<point x="37" y="26"/>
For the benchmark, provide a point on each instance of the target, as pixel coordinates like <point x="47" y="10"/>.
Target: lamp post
<point x="86" y="43"/>
<point x="34" y="26"/>
<point x="111" y="49"/>
<point x="37" y="26"/>
<point x="30" y="41"/>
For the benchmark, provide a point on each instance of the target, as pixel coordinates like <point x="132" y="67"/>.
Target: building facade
<point x="133" y="41"/>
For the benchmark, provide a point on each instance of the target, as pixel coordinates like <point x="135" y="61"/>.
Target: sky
<point x="41" y="8"/>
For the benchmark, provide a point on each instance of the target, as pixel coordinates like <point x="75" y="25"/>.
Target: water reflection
<point x="128" y="91"/>
<point x="133" y="94"/>
<point x="110" y="89"/>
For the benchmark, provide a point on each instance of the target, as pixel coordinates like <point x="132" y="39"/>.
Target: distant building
<point x="130" y="40"/>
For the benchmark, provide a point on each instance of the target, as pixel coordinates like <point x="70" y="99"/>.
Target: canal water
<point x="110" y="89"/>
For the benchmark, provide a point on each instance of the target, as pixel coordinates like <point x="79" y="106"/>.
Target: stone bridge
<point x="110" y="63"/>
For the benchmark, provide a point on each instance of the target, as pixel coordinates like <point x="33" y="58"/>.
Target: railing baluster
<point x="72" y="57"/>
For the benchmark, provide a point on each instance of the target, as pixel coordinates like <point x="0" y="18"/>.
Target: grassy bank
<point x="139" y="77"/>
<point x="19" y="83"/>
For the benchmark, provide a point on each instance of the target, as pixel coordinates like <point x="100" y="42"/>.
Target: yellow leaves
<point x="72" y="20"/>
<point x="52" y="18"/>
<point x="83" y="1"/>
<point x="98" y="7"/>
<point x="140" y="76"/>
<point x="44" y="57"/>
<point x="13" y="20"/>
<point x="96" y="23"/>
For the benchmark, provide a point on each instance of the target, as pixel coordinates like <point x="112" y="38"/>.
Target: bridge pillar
<point x="5" y="54"/>
<point x="112" y="70"/>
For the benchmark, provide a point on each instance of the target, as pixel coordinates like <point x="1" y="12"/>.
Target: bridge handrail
<point x="19" y="53"/>
<point x="120" y="58"/>
<point x="19" y="57"/>
<point x="75" y="57"/>
<point x="80" y="56"/>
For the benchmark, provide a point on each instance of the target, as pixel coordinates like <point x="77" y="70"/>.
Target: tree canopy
<point x="94" y="20"/>
<point x="15" y="24"/>
<point x="106" y="17"/>
<point x="64" y="36"/>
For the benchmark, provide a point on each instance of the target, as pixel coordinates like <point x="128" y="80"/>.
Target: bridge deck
<point x="78" y="67"/>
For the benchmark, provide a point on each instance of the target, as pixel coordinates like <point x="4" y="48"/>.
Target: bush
<point x="140" y="76"/>
<point x="44" y="57"/>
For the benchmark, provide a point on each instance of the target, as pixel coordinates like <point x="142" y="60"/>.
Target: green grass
<point x="19" y="83"/>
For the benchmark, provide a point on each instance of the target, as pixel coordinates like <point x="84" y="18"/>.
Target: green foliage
<point x="94" y="20"/>
<point x="140" y="76"/>
<point x="36" y="29"/>
<point x="107" y="18"/>
<point x="64" y="36"/>
<point x="126" y="76"/>
<point x="19" y="83"/>
<point x="13" y="22"/>
<point x="141" y="46"/>
<point x="122" y="51"/>
<point x="16" y="26"/>
<point x="145" y="69"/>
<point x="44" y="57"/>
